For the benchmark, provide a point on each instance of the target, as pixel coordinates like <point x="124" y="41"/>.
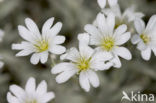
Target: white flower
<point x="31" y="94"/>
<point x="84" y="62"/>
<point x="146" y="37"/>
<point x="109" y="40"/>
<point x="40" y="44"/>
<point x="127" y="17"/>
<point x="1" y="35"/>
<point x="102" y="3"/>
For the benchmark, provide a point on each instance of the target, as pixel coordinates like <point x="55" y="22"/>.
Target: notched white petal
<point x="146" y="54"/>
<point x="123" y="38"/>
<point x="30" y="85"/>
<point x="47" y="25"/>
<point x="93" y="78"/>
<point x="62" y="67"/>
<point x="55" y="29"/>
<point x="42" y="88"/>
<point x="102" y="3"/>
<point x="65" y="76"/>
<point x="123" y="52"/>
<point x="84" y="82"/>
<point x="35" y="58"/>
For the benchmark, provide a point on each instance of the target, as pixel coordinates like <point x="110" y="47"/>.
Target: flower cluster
<point x="83" y="62"/>
<point x="145" y="37"/>
<point x="100" y="47"/>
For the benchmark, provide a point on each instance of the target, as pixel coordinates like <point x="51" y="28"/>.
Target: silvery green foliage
<point x="134" y="75"/>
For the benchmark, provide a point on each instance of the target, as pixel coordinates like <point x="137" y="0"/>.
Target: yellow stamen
<point x="42" y="45"/>
<point x="32" y="101"/>
<point x="83" y="64"/>
<point x="107" y="43"/>
<point x="145" y="38"/>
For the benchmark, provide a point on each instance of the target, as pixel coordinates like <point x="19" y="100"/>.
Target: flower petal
<point x="123" y="52"/>
<point x="135" y="39"/>
<point x="102" y="24"/>
<point x="83" y="38"/>
<point x="141" y="45"/>
<point x="102" y="3"/>
<point x="120" y="30"/>
<point x="85" y="51"/>
<point x="47" y="97"/>
<point x="47" y="25"/>
<point x="93" y="78"/>
<point x="59" y="40"/>
<point x="146" y="54"/>
<point x="57" y="49"/>
<point x="110" y="22"/>
<point x="30" y="85"/>
<point x="84" y="82"/>
<point x="102" y="56"/>
<point x="154" y="50"/>
<point x="17" y="91"/>
<point x="139" y="25"/>
<point x="11" y="98"/>
<point x="101" y="65"/>
<point x="35" y="58"/>
<point x="44" y="57"/>
<point x="72" y="54"/>
<point x="123" y="38"/>
<point x="23" y="45"/>
<point x="26" y="34"/>
<point x="65" y="76"/>
<point x="62" y="67"/>
<point x="31" y="25"/>
<point x="151" y="24"/>
<point x="42" y="88"/>
<point x="55" y="29"/>
<point x="92" y="30"/>
<point x="24" y="53"/>
<point x="116" y="62"/>
<point x="112" y="2"/>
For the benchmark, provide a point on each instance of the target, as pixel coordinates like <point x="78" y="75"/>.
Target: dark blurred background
<point x="135" y="75"/>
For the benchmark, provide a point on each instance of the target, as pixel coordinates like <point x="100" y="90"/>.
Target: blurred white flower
<point x="109" y="40"/>
<point x="1" y="63"/>
<point x="1" y="1"/>
<point x="127" y="17"/>
<point x="146" y="37"/>
<point x="31" y="94"/>
<point x="102" y="3"/>
<point x="40" y="44"/>
<point x="84" y="62"/>
<point x="1" y="35"/>
<point x="1" y="38"/>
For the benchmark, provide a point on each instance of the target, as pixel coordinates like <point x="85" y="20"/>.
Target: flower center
<point x="145" y="38"/>
<point x="41" y="45"/>
<point x="107" y="43"/>
<point x="32" y="101"/>
<point x="83" y="64"/>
